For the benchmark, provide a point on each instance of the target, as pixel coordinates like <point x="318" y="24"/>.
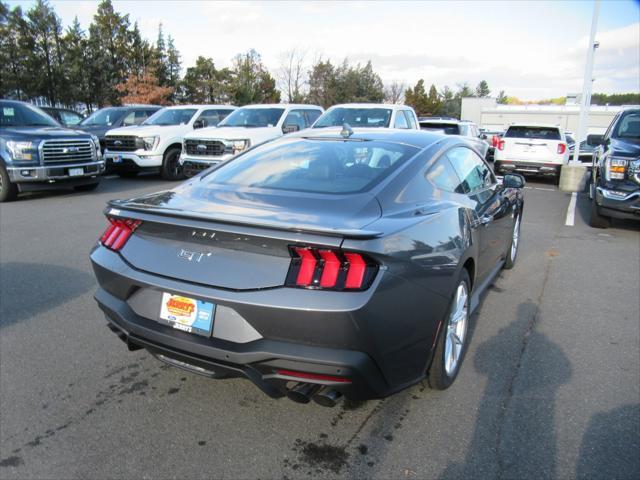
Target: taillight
<point x="561" y="148"/>
<point x="118" y="232"/>
<point x="501" y="145"/>
<point x="494" y="141"/>
<point x="330" y="269"/>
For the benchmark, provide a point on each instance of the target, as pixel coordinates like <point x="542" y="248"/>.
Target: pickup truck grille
<point x="123" y="143"/>
<point x="208" y="148"/>
<point x="68" y="151"/>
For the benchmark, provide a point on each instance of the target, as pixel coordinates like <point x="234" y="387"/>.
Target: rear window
<point x="544" y="133"/>
<point x="447" y="128"/>
<point x="313" y="165"/>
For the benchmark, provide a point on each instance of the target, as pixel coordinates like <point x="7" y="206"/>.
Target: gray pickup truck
<point x="37" y="153"/>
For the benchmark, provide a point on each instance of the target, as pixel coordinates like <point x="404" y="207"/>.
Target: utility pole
<point x="585" y="101"/>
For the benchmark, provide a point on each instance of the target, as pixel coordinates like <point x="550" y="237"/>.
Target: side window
<point x="312" y="116"/>
<point x="129" y="119"/>
<point x="473" y="172"/>
<point x="443" y="176"/>
<point x="141" y="116"/>
<point x="70" y="118"/>
<point x="294" y="122"/>
<point x="401" y="120"/>
<point x="411" y="119"/>
<point x="210" y="117"/>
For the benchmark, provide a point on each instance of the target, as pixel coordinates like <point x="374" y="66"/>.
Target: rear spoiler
<point x="127" y="209"/>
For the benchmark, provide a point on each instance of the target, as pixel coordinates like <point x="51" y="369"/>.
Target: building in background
<point x="488" y="114"/>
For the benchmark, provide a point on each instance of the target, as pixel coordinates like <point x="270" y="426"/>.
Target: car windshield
<point x="629" y="127"/>
<point x="171" y="116"/>
<point x="540" y="133"/>
<point x="21" y="115"/>
<point x="312" y="165"/>
<point x="447" y="128"/>
<point x="355" y="117"/>
<point x="105" y="117"/>
<point x="253" y="118"/>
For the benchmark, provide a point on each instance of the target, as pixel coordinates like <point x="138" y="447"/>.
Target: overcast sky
<point x="530" y="49"/>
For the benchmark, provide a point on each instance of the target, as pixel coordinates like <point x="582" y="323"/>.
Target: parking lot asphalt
<point x="550" y="387"/>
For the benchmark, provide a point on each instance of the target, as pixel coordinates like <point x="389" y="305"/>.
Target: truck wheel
<point x="597" y="220"/>
<point x="8" y="190"/>
<point x="86" y="188"/>
<point x="452" y="341"/>
<point x="171" y="168"/>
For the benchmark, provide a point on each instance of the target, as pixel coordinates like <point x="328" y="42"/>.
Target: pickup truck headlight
<point x="21" y="150"/>
<point x="237" y="146"/>
<point x="150" y="143"/>
<point x="615" y="168"/>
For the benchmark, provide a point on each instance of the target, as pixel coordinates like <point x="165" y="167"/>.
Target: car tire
<point x="8" y="190"/>
<point x="171" y="168"/>
<point x="127" y="174"/>
<point x="443" y="370"/>
<point x="596" y="219"/>
<point x="86" y="188"/>
<point x="514" y="243"/>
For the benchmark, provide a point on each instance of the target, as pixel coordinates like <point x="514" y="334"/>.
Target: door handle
<point x="486" y="219"/>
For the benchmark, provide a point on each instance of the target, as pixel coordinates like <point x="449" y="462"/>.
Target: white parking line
<point x="571" y="210"/>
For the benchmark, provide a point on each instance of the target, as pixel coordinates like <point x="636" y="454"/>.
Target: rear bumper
<point x="316" y="335"/>
<point x="534" y="168"/>
<point x="618" y="204"/>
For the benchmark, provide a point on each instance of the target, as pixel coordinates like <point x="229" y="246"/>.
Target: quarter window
<point x="411" y="119"/>
<point x="471" y="169"/>
<point x="312" y="116"/>
<point x="295" y="120"/>
<point x="213" y="117"/>
<point x="443" y="176"/>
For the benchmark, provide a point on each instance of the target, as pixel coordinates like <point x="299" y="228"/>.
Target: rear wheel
<point x="597" y="220"/>
<point x="451" y="345"/>
<point x="8" y="190"/>
<point x="512" y="251"/>
<point x="171" y="168"/>
<point x="86" y="188"/>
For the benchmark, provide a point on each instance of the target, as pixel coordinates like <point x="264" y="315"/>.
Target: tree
<point x="174" y="65"/>
<point x="464" y="90"/>
<point x="417" y="98"/>
<point x="251" y="82"/>
<point x="322" y="84"/>
<point x="449" y="104"/>
<point x="160" y="58"/>
<point x="433" y="101"/>
<point x="502" y="97"/>
<point x="394" y="92"/>
<point x="144" y="88"/>
<point x="482" y="90"/>
<point x="77" y="63"/>
<point x="203" y="83"/>
<point x="291" y="75"/>
<point x="15" y="80"/>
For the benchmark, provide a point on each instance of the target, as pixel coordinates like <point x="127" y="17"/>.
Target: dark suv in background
<point x="36" y="153"/>
<point x="615" y="187"/>
<point x="103" y="120"/>
<point x="64" y="116"/>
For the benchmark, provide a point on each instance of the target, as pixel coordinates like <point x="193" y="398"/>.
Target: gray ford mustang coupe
<point x="318" y="265"/>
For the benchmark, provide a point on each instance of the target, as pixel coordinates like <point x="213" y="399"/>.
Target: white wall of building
<point x="488" y="114"/>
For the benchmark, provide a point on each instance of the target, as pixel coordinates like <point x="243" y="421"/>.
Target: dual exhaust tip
<point x="304" y="392"/>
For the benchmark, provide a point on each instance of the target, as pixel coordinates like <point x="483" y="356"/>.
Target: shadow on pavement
<point x="27" y="289"/>
<point x="583" y="208"/>
<point x="514" y="434"/>
<point x="611" y="445"/>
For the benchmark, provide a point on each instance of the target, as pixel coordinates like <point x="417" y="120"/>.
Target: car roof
<point x="391" y="106"/>
<point x="533" y="124"/>
<point x="416" y="138"/>
<point x="438" y="120"/>
<point x="179" y="107"/>
<point x="282" y="105"/>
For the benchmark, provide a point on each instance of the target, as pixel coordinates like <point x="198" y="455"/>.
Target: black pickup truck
<point x="36" y="153"/>
<point x="615" y="186"/>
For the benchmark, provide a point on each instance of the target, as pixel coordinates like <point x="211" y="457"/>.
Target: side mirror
<point x="290" y="128"/>
<point x="483" y="136"/>
<point x="595" y="140"/>
<point x="513" y="180"/>
<point x="200" y="123"/>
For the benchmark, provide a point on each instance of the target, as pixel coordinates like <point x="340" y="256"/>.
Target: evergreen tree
<point x="417" y="98"/>
<point x="252" y="83"/>
<point x="502" y="97"/>
<point x="482" y="90"/>
<point x="203" y="83"/>
<point x="77" y="63"/>
<point x="322" y="84"/>
<point x="174" y="67"/>
<point x="160" y="59"/>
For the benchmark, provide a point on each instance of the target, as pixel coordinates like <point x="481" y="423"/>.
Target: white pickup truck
<point x="246" y="127"/>
<point x="369" y="115"/>
<point x="532" y="149"/>
<point x="157" y="142"/>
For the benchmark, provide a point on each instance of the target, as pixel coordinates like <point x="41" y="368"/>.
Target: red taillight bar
<point x="501" y="145"/>
<point x="313" y="376"/>
<point x="329" y="269"/>
<point x="117" y="234"/>
<point x="562" y="148"/>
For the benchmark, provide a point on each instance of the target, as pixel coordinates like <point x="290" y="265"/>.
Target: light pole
<point x="585" y="101"/>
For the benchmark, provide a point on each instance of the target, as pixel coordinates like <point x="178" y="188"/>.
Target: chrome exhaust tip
<point x="302" y="392"/>
<point x="327" y="397"/>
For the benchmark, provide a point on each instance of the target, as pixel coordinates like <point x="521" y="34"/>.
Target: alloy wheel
<point x="456" y="330"/>
<point x="515" y="238"/>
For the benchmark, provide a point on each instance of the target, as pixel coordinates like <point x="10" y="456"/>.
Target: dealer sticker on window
<point x="187" y="314"/>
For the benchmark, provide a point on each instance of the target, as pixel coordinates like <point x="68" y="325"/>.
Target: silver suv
<point x="453" y="126"/>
